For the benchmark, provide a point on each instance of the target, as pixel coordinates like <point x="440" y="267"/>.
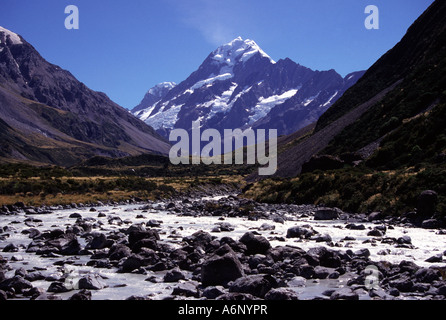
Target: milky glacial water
<point x="426" y="243"/>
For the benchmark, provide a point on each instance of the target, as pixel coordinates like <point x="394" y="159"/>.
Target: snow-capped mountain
<point x="239" y="86"/>
<point x="154" y="95"/>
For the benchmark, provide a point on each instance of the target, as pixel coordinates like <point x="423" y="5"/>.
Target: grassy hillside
<point x="392" y="192"/>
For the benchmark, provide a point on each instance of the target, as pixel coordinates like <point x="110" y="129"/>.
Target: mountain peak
<point x="13" y="37"/>
<point x="161" y="88"/>
<point x="154" y="94"/>
<point x="238" y="50"/>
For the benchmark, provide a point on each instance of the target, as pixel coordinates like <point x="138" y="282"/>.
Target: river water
<point x="173" y="227"/>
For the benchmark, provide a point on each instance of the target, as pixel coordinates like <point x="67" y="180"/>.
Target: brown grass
<point x="180" y="184"/>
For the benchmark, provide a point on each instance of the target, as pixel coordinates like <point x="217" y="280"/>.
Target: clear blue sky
<point x="123" y="48"/>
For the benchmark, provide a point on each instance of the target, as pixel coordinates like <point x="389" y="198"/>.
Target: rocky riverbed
<point x="217" y="248"/>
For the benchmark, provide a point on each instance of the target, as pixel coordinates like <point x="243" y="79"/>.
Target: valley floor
<point x="162" y="250"/>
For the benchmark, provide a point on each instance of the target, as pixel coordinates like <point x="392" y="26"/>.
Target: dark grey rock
<point x="34" y="276"/>
<point x="137" y="235"/>
<point x="153" y="223"/>
<point x="326" y="214"/>
<point x="255" y="244"/>
<point x="281" y="294"/>
<point x="187" y="289"/>
<point x="300" y="232"/>
<point x="99" y="241"/>
<point x="442" y="290"/>
<point x="82" y="295"/>
<point x="326" y="257"/>
<point x="305" y="270"/>
<point x="321" y="272"/>
<point x="427" y="275"/>
<point x="119" y="251"/>
<point x="404" y="240"/>
<point x="266" y="226"/>
<point x="199" y="238"/>
<point x="430" y="224"/>
<point x="133" y="262"/>
<point x="226" y="227"/>
<point x="71" y="248"/>
<point x="375" y="233"/>
<point x="32" y="233"/>
<point x="17" y="283"/>
<point x="174" y="275"/>
<point x="10" y="247"/>
<point x="344" y="294"/>
<point x="375" y="216"/>
<point x="219" y="270"/>
<point x="322" y="238"/>
<point x="394" y="292"/>
<point x="427" y="203"/>
<point x="403" y="285"/>
<point x="421" y="287"/>
<point x="58" y="287"/>
<point x="363" y="253"/>
<point x="435" y="258"/>
<point x="91" y="282"/>
<point x="212" y="292"/>
<point x="353" y="226"/>
<point x="328" y="292"/>
<point x="257" y="285"/>
<point x="378" y="293"/>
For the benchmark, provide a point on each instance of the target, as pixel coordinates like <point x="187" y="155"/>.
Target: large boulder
<point x="187" y="289"/>
<point x="119" y="251"/>
<point x="199" y="239"/>
<point x="255" y="244"/>
<point x="91" y="282"/>
<point x="17" y="283"/>
<point x="281" y="294"/>
<point x="219" y="269"/>
<point x="427" y="203"/>
<point x="430" y="224"/>
<point x="427" y="275"/>
<point x="326" y="257"/>
<point x="300" y="232"/>
<point x="257" y="285"/>
<point x="133" y="262"/>
<point x="344" y="294"/>
<point x="71" y="248"/>
<point x="58" y="287"/>
<point x="99" y="241"/>
<point x="326" y="214"/>
<point x="82" y="295"/>
<point x="136" y="235"/>
<point x="174" y="275"/>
